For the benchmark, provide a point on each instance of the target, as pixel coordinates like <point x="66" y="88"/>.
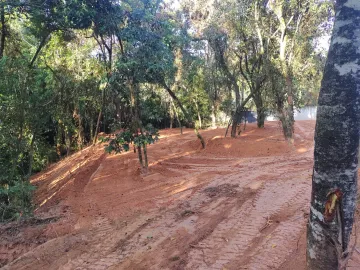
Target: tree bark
<point x="198" y="113"/>
<point x="238" y="109"/>
<point x="260" y="116"/>
<point x="140" y="157"/>
<point x="91" y="129"/>
<point x="187" y="116"/>
<point x="235" y="119"/>
<point x="3" y="31"/>
<point x="171" y="113"/>
<point x="68" y="141"/>
<point x="177" y="101"/>
<point x="31" y="157"/>
<point x="287" y="118"/>
<point x="260" y="109"/>
<point x="41" y="45"/>
<point x="177" y="117"/>
<point x="336" y="145"/>
<point x="287" y="112"/>
<point x="213" y="116"/>
<point x="146" y="165"/>
<point x="117" y="104"/>
<point x="97" y="129"/>
<point x="81" y="131"/>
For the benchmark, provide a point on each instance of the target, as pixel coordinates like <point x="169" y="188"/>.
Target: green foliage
<point x="15" y="200"/>
<point x="149" y="135"/>
<point x="70" y="65"/>
<point x="227" y="106"/>
<point x="121" y="142"/>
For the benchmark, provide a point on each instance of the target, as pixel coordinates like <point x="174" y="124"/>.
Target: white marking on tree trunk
<point x="329" y="111"/>
<point x="317" y="202"/>
<point x="350" y="172"/>
<point x="354" y="4"/>
<point x="340" y="40"/>
<point x="347" y="68"/>
<point x="317" y="177"/>
<point x="339" y="24"/>
<point x="317" y="213"/>
<point x="316" y="231"/>
<point x="312" y="253"/>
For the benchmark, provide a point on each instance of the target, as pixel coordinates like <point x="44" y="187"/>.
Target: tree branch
<point x="42" y="44"/>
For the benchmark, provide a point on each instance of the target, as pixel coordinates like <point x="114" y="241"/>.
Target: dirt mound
<point x="239" y="204"/>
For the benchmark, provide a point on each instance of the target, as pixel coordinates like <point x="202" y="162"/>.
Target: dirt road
<point x="239" y="204"/>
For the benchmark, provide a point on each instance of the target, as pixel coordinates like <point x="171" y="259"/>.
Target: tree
<point x="141" y="138"/>
<point x="334" y="190"/>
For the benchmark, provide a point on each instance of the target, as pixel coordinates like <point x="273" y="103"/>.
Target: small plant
<point x="121" y="142"/>
<point x="140" y="139"/>
<point x="15" y="200"/>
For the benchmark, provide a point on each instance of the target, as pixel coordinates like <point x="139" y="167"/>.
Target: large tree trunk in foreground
<point x="333" y="199"/>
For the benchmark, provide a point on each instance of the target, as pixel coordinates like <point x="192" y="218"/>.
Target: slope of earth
<point x="239" y="204"/>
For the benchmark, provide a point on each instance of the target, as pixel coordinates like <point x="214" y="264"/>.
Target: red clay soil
<point x="239" y="204"/>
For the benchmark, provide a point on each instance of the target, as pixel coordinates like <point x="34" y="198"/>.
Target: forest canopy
<point x="72" y="69"/>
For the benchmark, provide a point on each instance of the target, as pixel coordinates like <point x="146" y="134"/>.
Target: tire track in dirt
<point x="160" y="228"/>
<point x="97" y="257"/>
<point x="208" y="212"/>
<point x="219" y="220"/>
<point x="200" y="249"/>
<point x="244" y="225"/>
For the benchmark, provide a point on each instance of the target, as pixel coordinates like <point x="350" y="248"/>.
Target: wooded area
<point x="82" y="78"/>
<point x="70" y="70"/>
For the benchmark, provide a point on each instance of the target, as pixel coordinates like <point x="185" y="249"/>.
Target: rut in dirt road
<point x="199" y="210"/>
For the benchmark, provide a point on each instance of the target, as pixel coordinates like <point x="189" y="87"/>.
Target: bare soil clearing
<point x="239" y="204"/>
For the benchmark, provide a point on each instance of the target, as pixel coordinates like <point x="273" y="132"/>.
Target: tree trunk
<point x="187" y="116"/>
<point x="177" y="101"/>
<point x="67" y="141"/>
<point x="104" y="121"/>
<point x="200" y="138"/>
<point x="31" y="157"/>
<point x="171" y="116"/>
<point x="3" y="31"/>
<point x="81" y="130"/>
<point x="91" y="129"/>
<point x="146" y="165"/>
<point x="260" y="110"/>
<point x="233" y="119"/>
<point x="287" y="110"/>
<point x="177" y="117"/>
<point x="97" y="129"/>
<point x="260" y="116"/>
<point x="213" y="116"/>
<point x="336" y="145"/>
<point x="41" y="45"/>
<point x="198" y="113"/>
<point x="237" y="93"/>
<point x="290" y="100"/>
<point x="117" y="104"/>
<point x="140" y="157"/>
